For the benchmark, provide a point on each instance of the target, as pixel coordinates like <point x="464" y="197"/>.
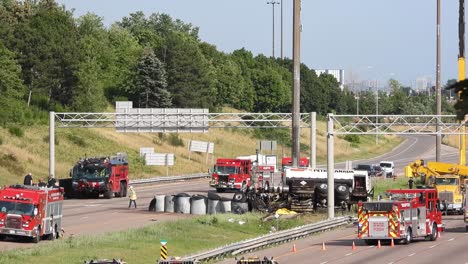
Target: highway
<point x="97" y="216"/>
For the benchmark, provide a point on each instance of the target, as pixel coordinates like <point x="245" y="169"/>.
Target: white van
<point x="388" y="168"/>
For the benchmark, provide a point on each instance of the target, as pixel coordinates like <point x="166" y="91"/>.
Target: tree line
<point x="51" y="61"/>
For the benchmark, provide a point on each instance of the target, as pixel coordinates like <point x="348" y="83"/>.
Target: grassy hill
<point x="26" y="149"/>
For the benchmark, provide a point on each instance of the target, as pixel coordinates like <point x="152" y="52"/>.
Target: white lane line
<point x="84" y="217"/>
<point x="412" y="254"/>
<point x="324" y="262"/>
<point x="349" y="254"/>
<point x="390" y="263"/>
<point x="452" y="239"/>
<point x="433" y="246"/>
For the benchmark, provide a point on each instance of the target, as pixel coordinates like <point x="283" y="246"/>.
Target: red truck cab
<point x="231" y="174"/>
<point x="31" y="211"/>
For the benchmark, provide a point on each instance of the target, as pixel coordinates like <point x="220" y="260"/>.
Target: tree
<point x="150" y="82"/>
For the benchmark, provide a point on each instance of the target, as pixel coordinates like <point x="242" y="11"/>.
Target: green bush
<point x="353" y="139"/>
<point x="282" y="136"/>
<point x="175" y="140"/>
<point x="46" y="140"/>
<point x="1" y="141"/>
<point x="77" y="140"/>
<point x="16" y="131"/>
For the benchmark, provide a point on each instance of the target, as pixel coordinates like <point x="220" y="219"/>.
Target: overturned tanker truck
<point x="306" y="190"/>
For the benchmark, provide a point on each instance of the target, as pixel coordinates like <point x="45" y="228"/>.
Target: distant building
<point x="338" y="74"/>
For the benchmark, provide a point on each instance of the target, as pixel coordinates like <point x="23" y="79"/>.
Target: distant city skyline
<point x="374" y="40"/>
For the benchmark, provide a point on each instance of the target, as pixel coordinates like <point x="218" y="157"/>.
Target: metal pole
<point x="313" y="140"/>
<point x="273" y="3"/>
<point x="52" y="143"/>
<point x="330" y="167"/>
<point x="296" y="82"/>
<point x="461" y="75"/>
<point x="438" y="95"/>
<point x="281" y="29"/>
<point x="377" y="118"/>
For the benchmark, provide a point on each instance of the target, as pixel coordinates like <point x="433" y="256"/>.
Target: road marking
<point x="390" y="263"/>
<point x="349" y="254"/>
<point x="410" y="255"/>
<point x="84" y="217"/>
<point x="451" y="239"/>
<point x="324" y="262"/>
<point x="433" y="246"/>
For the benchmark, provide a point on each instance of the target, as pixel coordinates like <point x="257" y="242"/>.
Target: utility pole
<point x="438" y="96"/>
<point x="461" y="75"/>
<point x="281" y="29"/>
<point x="296" y="151"/>
<point x="273" y="3"/>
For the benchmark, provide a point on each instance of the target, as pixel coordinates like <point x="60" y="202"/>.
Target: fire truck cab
<point x="403" y="216"/>
<point x="233" y="174"/>
<point x="31" y="211"/>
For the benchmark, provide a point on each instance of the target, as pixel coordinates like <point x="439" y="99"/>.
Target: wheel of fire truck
<point x="121" y="192"/>
<point x="53" y="235"/>
<point x="125" y="189"/>
<point x="408" y="237"/>
<point x="433" y="235"/>
<point x="108" y="194"/>
<point x="37" y="237"/>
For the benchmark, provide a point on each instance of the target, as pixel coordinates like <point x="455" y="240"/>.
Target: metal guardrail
<point x="170" y="178"/>
<point x="271" y="239"/>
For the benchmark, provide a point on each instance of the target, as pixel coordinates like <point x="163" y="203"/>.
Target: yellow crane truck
<point x="449" y="180"/>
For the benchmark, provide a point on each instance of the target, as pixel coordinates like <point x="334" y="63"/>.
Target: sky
<point x="369" y="39"/>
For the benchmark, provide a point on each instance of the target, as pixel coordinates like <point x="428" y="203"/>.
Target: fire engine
<point x="404" y="216"/>
<point x="31" y="211"/>
<point x="233" y="174"/>
<point x="286" y="162"/>
<point x="91" y="177"/>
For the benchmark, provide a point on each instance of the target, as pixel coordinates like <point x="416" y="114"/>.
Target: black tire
<point x="121" y="192"/>
<point x="38" y="236"/>
<point x="434" y="233"/>
<point x="152" y="205"/>
<point x="109" y="193"/>
<point x="370" y="242"/>
<point x="239" y="197"/>
<point x="124" y="189"/>
<point x="213" y="196"/>
<point x="408" y="237"/>
<point x="220" y="190"/>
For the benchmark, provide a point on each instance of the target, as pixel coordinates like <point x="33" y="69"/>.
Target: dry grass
<point x="30" y="152"/>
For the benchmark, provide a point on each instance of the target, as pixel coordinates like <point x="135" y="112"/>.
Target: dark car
<point x="376" y="171"/>
<point x="372" y="170"/>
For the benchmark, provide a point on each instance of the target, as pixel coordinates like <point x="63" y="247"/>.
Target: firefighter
<point x="41" y="183"/>
<point x="28" y="179"/>
<point x="133" y="197"/>
<point x="52" y="181"/>
<point x="410" y="183"/>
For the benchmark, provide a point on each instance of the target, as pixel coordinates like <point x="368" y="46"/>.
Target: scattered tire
<point x="182" y="195"/>
<point x="239" y="197"/>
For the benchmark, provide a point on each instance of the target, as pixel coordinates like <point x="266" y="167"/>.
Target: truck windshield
<point x="89" y="172"/>
<point x="16" y="208"/>
<point x="225" y="169"/>
<point x="385" y="165"/>
<point x="446" y="181"/>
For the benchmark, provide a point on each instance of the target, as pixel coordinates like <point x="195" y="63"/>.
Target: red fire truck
<point x="31" y="211"/>
<point x="94" y="176"/>
<point x="405" y="215"/>
<point x="286" y="162"/>
<point x="233" y="174"/>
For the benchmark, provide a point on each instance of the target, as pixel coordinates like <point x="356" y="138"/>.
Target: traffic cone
<point x="438" y="234"/>
<point x="294" y="250"/>
<point x="323" y="247"/>
<point x="378" y="244"/>
<point x="392" y="244"/>
<point x="353" y="247"/>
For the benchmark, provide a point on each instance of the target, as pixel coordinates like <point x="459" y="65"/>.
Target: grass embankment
<point x="143" y="245"/>
<point x="26" y="149"/>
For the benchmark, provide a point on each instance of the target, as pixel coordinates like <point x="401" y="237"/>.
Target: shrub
<point x="353" y="139"/>
<point x="46" y="139"/>
<point x="175" y="140"/>
<point x="77" y="140"/>
<point x="1" y="141"/>
<point x="16" y="131"/>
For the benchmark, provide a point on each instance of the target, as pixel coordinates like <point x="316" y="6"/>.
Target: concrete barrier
<point x="198" y="205"/>
<point x="182" y="204"/>
<point x="160" y="203"/>
<point x="169" y="203"/>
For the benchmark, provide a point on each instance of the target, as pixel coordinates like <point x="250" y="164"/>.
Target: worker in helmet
<point x="133" y="197"/>
<point x="52" y="181"/>
<point x="28" y="179"/>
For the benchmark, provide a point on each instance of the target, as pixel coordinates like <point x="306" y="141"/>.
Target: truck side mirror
<point x="210" y="171"/>
<point x="35" y="211"/>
